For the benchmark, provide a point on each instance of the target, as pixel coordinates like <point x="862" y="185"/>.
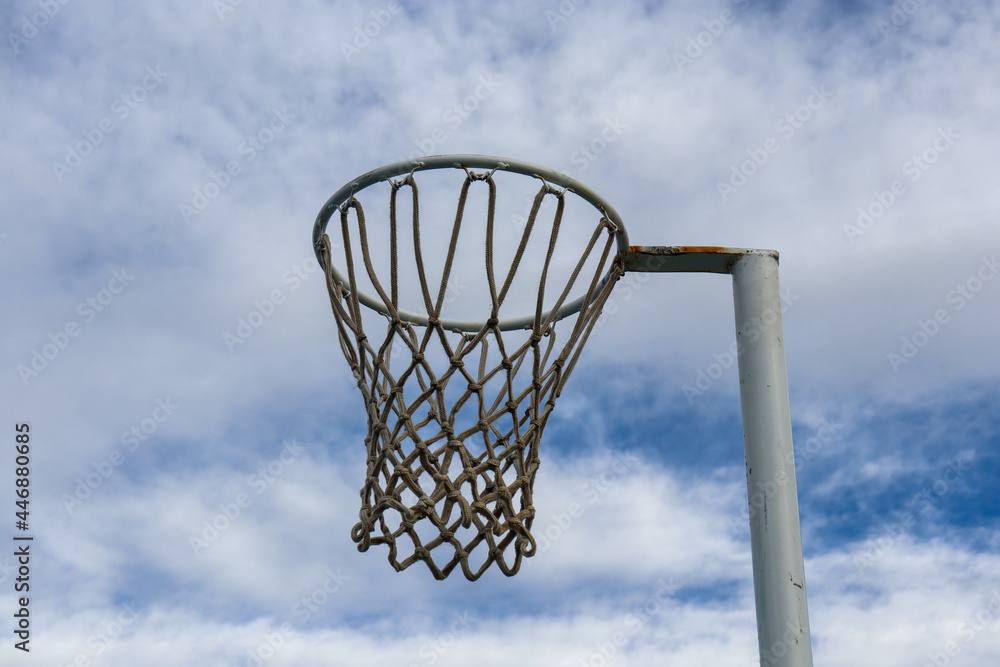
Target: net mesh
<point x="455" y="418"/>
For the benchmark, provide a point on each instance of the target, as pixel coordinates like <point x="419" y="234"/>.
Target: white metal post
<point x="776" y="542"/>
<point x="775" y="537"/>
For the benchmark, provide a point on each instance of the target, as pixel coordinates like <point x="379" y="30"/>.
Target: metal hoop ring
<point x="389" y="171"/>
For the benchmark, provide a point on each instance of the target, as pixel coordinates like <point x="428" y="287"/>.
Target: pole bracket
<point x="686" y="258"/>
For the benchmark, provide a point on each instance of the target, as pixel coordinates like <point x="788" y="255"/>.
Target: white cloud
<point x="905" y="599"/>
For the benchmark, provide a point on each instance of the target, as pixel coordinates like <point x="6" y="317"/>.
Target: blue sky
<point x="164" y="165"/>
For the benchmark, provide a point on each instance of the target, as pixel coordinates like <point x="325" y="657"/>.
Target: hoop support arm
<point x="775" y="535"/>
<point x="686" y="258"/>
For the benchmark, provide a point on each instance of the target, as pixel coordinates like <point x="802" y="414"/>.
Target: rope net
<point x="455" y="418"/>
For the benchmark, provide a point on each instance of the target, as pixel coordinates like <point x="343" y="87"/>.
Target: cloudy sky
<point x="163" y="165"/>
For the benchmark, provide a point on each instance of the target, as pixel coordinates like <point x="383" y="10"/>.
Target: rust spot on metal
<point x="679" y="249"/>
<point x="702" y="248"/>
<point x="685" y="258"/>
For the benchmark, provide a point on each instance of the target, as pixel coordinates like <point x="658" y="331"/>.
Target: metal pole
<point x="775" y="538"/>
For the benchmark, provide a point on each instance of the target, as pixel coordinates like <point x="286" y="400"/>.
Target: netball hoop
<point x="456" y="400"/>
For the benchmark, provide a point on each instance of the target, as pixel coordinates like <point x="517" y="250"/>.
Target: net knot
<point x="475" y="387"/>
<point x="408" y="179"/>
<point x="351" y="201"/>
<point x="492" y="322"/>
<point x="483" y="175"/>
<point x="418" y="357"/>
<point x="553" y="190"/>
<point x="423" y="506"/>
<point x="457" y="363"/>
